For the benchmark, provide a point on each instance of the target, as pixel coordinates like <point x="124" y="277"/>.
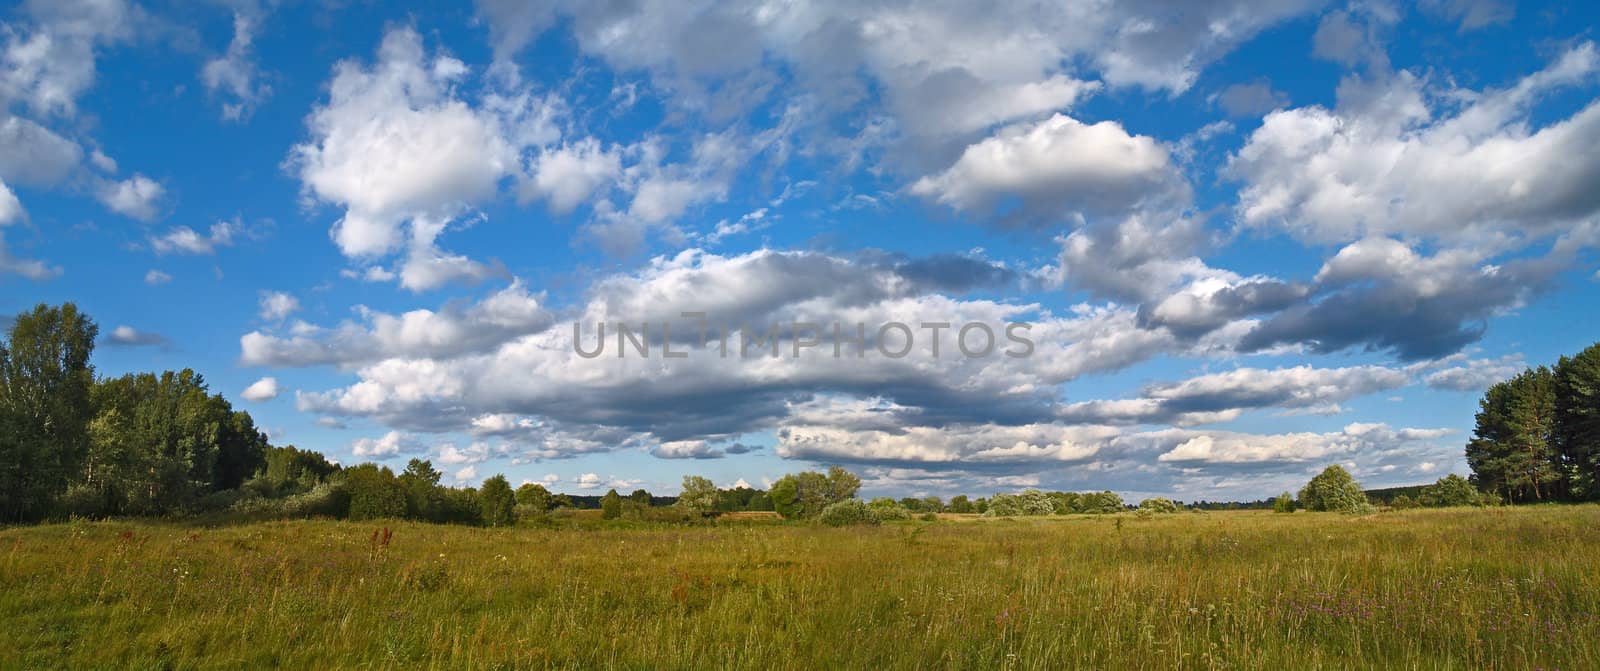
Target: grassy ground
<point x="1469" y="589"/>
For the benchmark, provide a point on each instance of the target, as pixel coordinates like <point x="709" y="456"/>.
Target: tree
<point x="497" y="503"/>
<point x="1101" y="503"/>
<point x="1158" y="505"/>
<point x="847" y="512"/>
<point x="611" y="505"/>
<point x="960" y="504"/>
<point x="1334" y="490"/>
<point x="1577" y="420"/>
<point x="1450" y="490"/>
<point x="374" y="493"/>
<point x="535" y="496"/>
<point x="1284" y="503"/>
<point x="699" y="494"/>
<point x="1511" y="450"/>
<point x="805" y="494"/>
<point x="160" y="442"/>
<point x="1403" y="502"/>
<point x="842" y="484"/>
<point x="421" y="483"/>
<point x="45" y="408"/>
<point x="640" y="497"/>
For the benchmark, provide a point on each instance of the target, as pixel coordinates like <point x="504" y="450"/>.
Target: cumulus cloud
<point x="1057" y="166"/>
<point x="136" y="197"/>
<point x="127" y="336"/>
<point x="264" y="389"/>
<point x="33" y="155"/>
<point x="392" y="444"/>
<point x="451" y="331"/>
<point x="566" y="176"/>
<point x="1379" y="294"/>
<point x="185" y="240"/>
<point x="1384" y="162"/>
<point x="233" y="74"/>
<point x="404" y="156"/>
<point x="155" y="277"/>
<point x="277" y="305"/>
<point x="1219" y="397"/>
<point x="1222" y="447"/>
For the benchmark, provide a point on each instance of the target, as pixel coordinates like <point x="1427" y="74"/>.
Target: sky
<point x="1242" y="239"/>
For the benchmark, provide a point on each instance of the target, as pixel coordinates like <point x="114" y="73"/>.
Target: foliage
<point x="888" y="509"/>
<point x="1577" y="424"/>
<point x="496" y="503"/>
<point x="45" y="408"/>
<point x="806" y="494"/>
<point x="535" y="497"/>
<point x="1284" y="503"/>
<point x="1511" y="450"/>
<point x="1333" y="490"/>
<point x="961" y="504"/>
<point x="375" y="493"/>
<point x="1029" y="502"/>
<point x="1451" y="490"/>
<point x="1158" y="505"/>
<point x="611" y="505"/>
<point x="698" y="495"/>
<point x="847" y="513"/>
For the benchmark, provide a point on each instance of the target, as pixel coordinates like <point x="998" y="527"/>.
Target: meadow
<point x="1496" y="588"/>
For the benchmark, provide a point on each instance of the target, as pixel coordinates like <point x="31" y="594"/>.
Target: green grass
<point x="1435" y="589"/>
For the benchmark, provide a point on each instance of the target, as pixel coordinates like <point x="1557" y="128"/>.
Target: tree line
<point x="1536" y="436"/>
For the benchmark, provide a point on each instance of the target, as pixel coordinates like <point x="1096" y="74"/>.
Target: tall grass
<point x="1433" y="589"/>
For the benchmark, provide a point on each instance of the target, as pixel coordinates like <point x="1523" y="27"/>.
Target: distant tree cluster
<point x="141" y="444"/>
<point x="1035" y="502"/>
<point x="1537" y="435"/>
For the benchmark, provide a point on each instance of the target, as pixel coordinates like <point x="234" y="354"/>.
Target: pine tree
<point x="1577" y="419"/>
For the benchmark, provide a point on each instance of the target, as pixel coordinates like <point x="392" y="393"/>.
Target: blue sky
<point x="1251" y="238"/>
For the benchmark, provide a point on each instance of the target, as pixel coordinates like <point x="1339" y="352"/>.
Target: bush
<point x="848" y="512"/>
<point x="324" y="500"/>
<point x="888" y="509"/>
<point x="1403" y="502"/>
<point x="1451" y="490"/>
<point x="1333" y="490"/>
<point x="1284" y="503"/>
<point x="1158" y="505"/>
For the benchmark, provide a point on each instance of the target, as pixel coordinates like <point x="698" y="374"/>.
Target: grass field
<point x="1432" y="589"/>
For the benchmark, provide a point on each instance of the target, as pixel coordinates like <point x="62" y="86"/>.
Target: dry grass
<point x="1440" y="589"/>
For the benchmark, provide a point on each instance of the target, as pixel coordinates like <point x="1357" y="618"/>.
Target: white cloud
<point x="234" y="73"/>
<point x="155" y="277"/>
<point x="135" y="197"/>
<point x="34" y="155"/>
<point x="452" y="331"/>
<point x="391" y="444"/>
<point x="277" y="305"/>
<point x="400" y="151"/>
<point x="185" y="240"/>
<point x="1220" y="447"/>
<point x="566" y="176"/>
<point x="10" y="208"/>
<point x="264" y="389"/>
<point x="1384" y="163"/>
<point x="50" y="61"/>
<point x="127" y="336"/>
<point x="1059" y="165"/>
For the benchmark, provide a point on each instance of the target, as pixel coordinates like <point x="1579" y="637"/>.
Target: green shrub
<point x="1158" y="505"/>
<point x="1284" y="503"/>
<point x="848" y="512"/>
<point x="1333" y="490"/>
